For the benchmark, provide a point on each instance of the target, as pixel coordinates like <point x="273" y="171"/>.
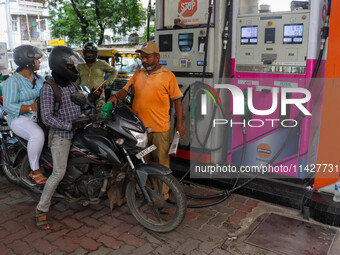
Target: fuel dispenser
<point x="275" y="49"/>
<point x="181" y="30"/>
<point x="276" y="46"/>
<point x="276" y="77"/>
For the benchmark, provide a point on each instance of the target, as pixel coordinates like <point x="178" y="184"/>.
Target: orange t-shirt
<point x="152" y="93"/>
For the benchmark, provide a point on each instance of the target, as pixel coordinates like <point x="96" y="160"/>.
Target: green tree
<point x="86" y="20"/>
<point x="145" y="34"/>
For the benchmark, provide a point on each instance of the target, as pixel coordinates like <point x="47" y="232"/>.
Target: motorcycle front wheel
<point x="167" y="208"/>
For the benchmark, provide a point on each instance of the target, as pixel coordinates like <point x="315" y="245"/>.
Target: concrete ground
<point x="221" y="229"/>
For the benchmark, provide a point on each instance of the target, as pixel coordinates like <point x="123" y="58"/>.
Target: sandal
<point x="38" y="178"/>
<point x="41" y="220"/>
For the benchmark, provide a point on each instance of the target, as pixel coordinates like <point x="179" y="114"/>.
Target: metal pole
<point x="9" y="29"/>
<point x="40" y="38"/>
<point x="27" y="24"/>
<point x="148" y="22"/>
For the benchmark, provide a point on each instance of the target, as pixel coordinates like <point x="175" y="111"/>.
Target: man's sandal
<point x="41" y="220"/>
<point x="38" y="178"/>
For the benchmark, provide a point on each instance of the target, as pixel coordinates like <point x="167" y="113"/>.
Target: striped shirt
<point x="18" y="91"/>
<point x="68" y="111"/>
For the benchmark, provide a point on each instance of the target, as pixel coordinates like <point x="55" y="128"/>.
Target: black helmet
<point x="90" y="46"/>
<point x="60" y="57"/>
<point x="24" y="55"/>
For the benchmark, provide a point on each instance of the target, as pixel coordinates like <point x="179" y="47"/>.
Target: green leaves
<point x="85" y="20"/>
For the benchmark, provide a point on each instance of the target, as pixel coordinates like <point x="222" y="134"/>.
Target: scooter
<point x="102" y="151"/>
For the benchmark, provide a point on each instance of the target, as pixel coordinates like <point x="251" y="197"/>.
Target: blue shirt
<point x="18" y="91"/>
<point x="68" y="111"/>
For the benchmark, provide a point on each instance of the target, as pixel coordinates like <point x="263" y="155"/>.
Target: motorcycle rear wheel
<point x="11" y="169"/>
<point x="162" y="214"/>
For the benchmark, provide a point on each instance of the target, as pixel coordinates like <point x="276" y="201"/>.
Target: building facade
<point x="24" y="22"/>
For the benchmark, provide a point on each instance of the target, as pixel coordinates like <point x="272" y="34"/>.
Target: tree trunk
<point x="84" y="22"/>
<point x="101" y="26"/>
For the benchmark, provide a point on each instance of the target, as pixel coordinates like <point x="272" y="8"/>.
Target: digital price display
<point x="249" y="35"/>
<point x="293" y="34"/>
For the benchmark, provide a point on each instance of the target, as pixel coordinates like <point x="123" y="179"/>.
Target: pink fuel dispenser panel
<point x="272" y="51"/>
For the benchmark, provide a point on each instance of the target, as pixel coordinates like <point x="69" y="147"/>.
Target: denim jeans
<point x="60" y="149"/>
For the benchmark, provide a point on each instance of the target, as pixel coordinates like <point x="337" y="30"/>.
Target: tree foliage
<point x="85" y="20"/>
<point x="152" y="34"/>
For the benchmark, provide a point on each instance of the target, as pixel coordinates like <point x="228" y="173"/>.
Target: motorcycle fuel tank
<point x="97" y="141"/>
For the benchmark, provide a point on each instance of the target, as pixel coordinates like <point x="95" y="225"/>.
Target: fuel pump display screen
<point x="293" y="34"/>
<point x="165" y="42"/>
<point x="185" y="41"/>
<point x="249" y="35"/>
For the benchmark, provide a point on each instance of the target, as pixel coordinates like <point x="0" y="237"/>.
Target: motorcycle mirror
<point x="84" y="89"/>
<point x="78" y="98"/>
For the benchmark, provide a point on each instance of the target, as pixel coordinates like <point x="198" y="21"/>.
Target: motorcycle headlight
<point x="142" y="138"/>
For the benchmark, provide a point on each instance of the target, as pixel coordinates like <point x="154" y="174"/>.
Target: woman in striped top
<point x="20" y="92"/>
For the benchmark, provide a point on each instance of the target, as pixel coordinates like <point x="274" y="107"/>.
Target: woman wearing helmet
<point x="20" y="92"/>
<point x="62" y="62"/>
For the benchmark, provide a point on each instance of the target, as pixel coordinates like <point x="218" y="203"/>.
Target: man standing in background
<point x="91" y="74"/>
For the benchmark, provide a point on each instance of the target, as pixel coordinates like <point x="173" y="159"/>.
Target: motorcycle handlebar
<point x="83" y="122"/>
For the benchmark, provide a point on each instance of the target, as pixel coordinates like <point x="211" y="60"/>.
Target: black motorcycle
<point x="101" y="153"/>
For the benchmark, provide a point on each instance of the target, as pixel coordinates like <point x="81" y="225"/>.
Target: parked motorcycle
<point x="101" y="151"/>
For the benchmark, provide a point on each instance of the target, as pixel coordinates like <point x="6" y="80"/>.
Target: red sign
<point x="187" y="8"/>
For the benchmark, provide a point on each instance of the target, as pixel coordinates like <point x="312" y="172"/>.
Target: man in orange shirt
<point x="153" y="86"/>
